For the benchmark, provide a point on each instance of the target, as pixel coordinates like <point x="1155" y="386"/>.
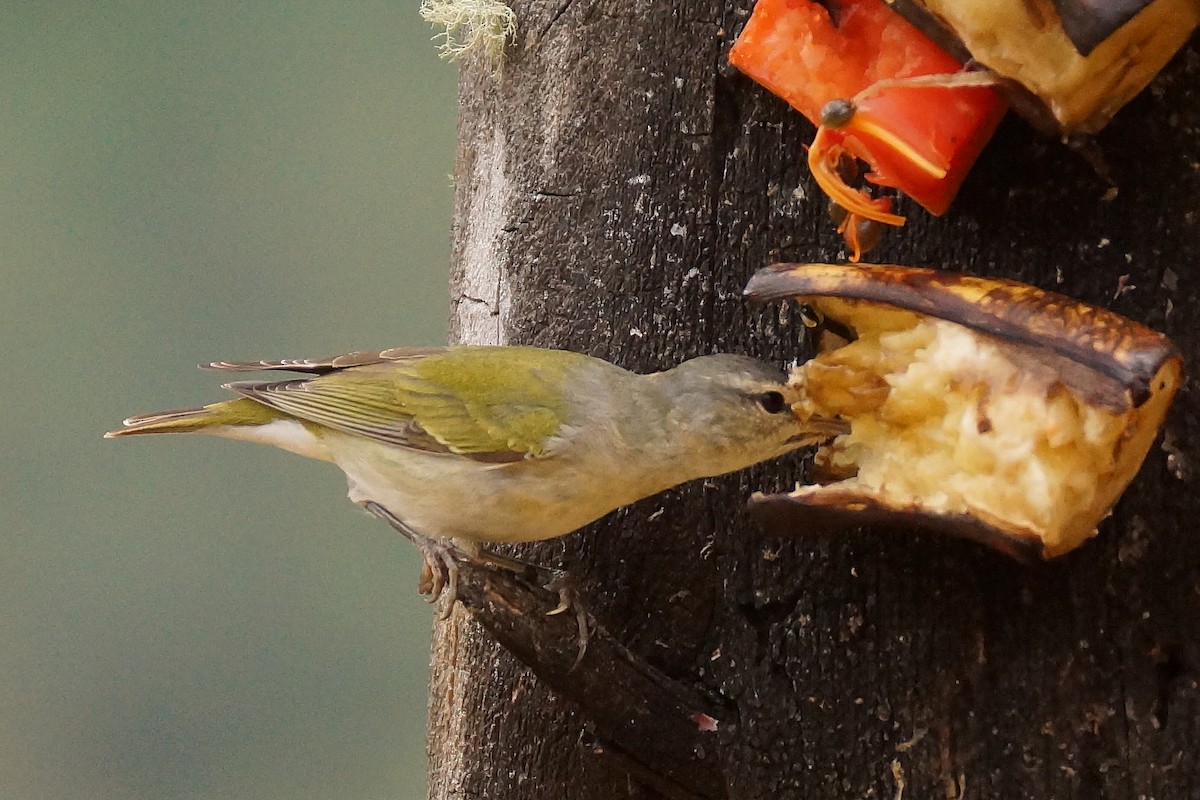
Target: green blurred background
<point x="182" y="182"/>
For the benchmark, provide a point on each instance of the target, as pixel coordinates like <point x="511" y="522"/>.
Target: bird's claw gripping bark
<point x="568" y="600"/>
<point x="439" y="579"/>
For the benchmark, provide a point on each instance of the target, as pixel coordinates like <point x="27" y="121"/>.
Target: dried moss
<point x="483" y="26"/>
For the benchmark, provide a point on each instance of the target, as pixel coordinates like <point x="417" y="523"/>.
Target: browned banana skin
<point x="1092" y="337"/>
<point x="1105" y="358"/>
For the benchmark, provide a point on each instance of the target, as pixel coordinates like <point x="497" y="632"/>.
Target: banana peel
<point x="1067" y="66"/>
<point x="979" y="407"/>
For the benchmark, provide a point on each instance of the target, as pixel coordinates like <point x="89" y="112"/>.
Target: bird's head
<point x="728" y="411"/>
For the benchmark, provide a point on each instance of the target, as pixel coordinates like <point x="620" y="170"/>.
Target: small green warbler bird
<point x="504" y="444"/>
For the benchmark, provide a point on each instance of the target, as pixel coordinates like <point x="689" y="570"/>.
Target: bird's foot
<point x="551" y="579"/>
<point x="439" y="578"/>
<point x="568" y="600"/>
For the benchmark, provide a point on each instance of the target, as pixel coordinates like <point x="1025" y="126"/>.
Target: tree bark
<point x="617" y="185"/>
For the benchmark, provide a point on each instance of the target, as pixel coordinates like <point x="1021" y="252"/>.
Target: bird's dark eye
<point x="772" y="402"/>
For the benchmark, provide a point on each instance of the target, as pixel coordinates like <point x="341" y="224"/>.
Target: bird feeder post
<point x="617" y="185"/>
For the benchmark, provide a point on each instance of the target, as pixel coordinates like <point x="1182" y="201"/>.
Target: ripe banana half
<point x="980" y="407"/>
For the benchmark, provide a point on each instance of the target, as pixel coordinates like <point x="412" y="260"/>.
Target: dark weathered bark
<point x="617" y="186"/>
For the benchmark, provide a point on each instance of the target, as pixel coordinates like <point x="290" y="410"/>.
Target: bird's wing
<point x="322" y="366"/>
<point x="469" y="401"/>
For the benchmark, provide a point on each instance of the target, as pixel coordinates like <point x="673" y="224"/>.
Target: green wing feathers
<point x="341" y="403"/>
<point x="492" y="404"/>
<point x="475" y="403"/>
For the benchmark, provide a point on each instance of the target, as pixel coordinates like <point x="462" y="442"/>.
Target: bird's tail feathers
<point x="191" y="420"/>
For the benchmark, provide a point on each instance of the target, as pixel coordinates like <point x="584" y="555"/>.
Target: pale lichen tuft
<point x="483" y="26"/>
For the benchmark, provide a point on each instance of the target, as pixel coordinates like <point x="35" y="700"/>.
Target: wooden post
<point x="617" y="185"/>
